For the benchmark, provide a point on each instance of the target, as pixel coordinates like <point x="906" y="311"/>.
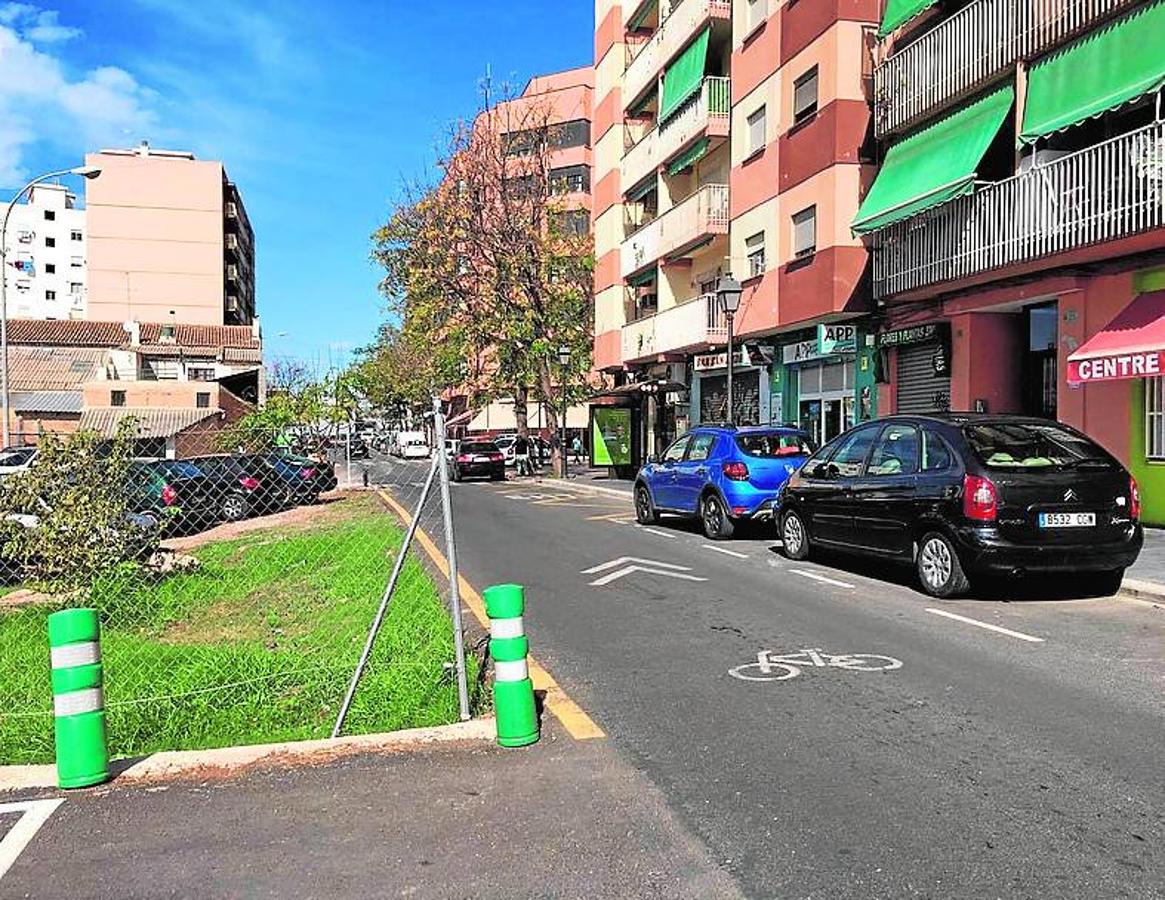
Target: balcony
<point x="1112" y="191"/>
<point x="693" y="325"/>
<point x="690" y="222"/>
<point x="976" y="45"/>
<point x="707" y="113"/>
<point x="684" y="20"/>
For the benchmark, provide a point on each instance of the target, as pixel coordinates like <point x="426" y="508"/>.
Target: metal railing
<point x="979" y="43"/>
<point x="703" y="213"/>
<point x="708" y="110"/>
<point x="1110" y="191"/>
<point x="675" y="30"/>
<point x="691" y="324"/>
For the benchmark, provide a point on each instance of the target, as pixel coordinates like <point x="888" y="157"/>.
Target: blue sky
<point x="318" y="110"/>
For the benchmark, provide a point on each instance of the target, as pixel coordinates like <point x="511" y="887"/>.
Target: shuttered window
<point x="805" y="232"/>
<point x="805" y="96"/>
<point x="756" y="131"/>
<point x="920" y="390"/>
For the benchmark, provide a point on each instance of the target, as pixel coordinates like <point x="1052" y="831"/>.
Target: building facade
<point x="1017" y="221"/>
<point x="733" y="138"/>
<point x="169" y="238"/>
<point x="45" y="252"/>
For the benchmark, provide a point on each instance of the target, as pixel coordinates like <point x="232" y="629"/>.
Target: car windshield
<point x="16" y="457"/>
<point x="1027" y="445"/>
<point x="769" y="445"/>
<point x="479" y="448"/>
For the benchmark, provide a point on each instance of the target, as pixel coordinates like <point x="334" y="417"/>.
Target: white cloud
<point x="49" y="30"/>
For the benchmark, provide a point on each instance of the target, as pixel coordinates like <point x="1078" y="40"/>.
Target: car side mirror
<point x="653" y="458"/>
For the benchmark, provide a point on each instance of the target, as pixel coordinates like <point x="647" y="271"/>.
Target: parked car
<point x="478" y="459"/>
<point x="245" y="485"/>
<point x="304" y="478"/>
<point x="414" y="448"/>
<point x="723" y="475"/>
<point x="16" y="459"/>
<point x="960" y="495"/>
<point x="539" y="449"/>
<point x="170" y="493"/>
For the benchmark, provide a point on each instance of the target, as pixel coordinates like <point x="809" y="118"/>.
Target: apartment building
<point x="733" y="138"/>
<point x="169" y="238"/>
<point x="1017" y="222"/>
<point x="45" y="254"/>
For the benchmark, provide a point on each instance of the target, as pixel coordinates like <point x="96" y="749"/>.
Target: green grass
<point x="256" y="645"/>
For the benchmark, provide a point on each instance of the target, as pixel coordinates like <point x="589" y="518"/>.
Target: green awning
<point x="1119" y="62"/>
<point x="934" y="164"/>
<point x="689" y="157"/>
<point x="640" y="14"/>
<point x="899" y="12"/>
<point x="683" y="77"/>
<point x="641" y="190"/>
<point x="645" y="277"/>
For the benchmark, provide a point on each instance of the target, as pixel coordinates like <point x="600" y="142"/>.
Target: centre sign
<point x="1116" y="367"/>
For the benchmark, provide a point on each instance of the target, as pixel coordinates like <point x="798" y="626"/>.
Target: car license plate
<point x="481" y="459"/>
<point x="1067" y="520"/>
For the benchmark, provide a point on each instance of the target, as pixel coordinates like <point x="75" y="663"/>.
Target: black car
<point x="960" y="495"/>
<point x="171" y="493"/>
<point x="478" y="459"/>
<point x="244" y="485"/>
<point x="304" y="477"/>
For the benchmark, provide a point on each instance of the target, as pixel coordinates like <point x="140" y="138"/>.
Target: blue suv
<point x="720" y="474"/>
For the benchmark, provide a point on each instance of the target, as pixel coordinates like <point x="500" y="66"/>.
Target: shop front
<point x="827" y="381"/>
<point x="920" y="359"/>
<point x="750" y="388"/>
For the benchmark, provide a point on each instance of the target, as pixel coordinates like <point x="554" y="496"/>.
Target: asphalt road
<point x="1023" y="762"/>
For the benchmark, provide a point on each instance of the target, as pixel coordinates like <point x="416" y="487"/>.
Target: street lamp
<point x="82" y="171"/>
<point x="728" y="292"/>
<point x="564" y="361"/>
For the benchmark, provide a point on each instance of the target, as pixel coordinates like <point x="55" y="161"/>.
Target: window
<point x="75" y="235"/>
<point x="576" y="133"/>
<point x="50" y="215"/>
<point x="936" y="455"/>
<point x="1155" y="417"/>
<point x="805" y="96"/>
<point x="200" y="373"/>
<point x="805" y="232"/>
<point x="576" y="222"/>
<point x="851" y="453"/>
<point x="50" y="242"/>
<point x="776" y="444"/>
<point x="1018" y="445"/>
<point x="755" y="248"/>
<point x="701" y="449"/>
<point x="202" y="400"/>
<point x="570" y="180"/>
<point x="675" y="452"/>
<point x="896" y="452"/>
<point x="159" y="370"/>
<point x="50" y="295"/>
<point x="50" y="268"/>
<point x="75" y="262"/>
<point x="756" y="131"/>
<point x="758" y="11"/>
<point x="117" y="398"/>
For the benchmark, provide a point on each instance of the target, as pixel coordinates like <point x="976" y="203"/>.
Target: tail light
<point x="169" y="495"/>
<point x="980" y="499"/>
<point x="736" y="471"/>
<point x="1134" y="499"/>
<point x="496" y="457"/>
<point x="249" y="483"/>
<point x="464" y="458"/>
<point x="307" y="473"/>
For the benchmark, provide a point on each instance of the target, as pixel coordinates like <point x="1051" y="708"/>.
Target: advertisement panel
<point x="610" y="436"/>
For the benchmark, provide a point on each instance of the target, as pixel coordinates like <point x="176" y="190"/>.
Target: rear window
<point x="179" y="469"/>
<point x="479" y="448"/>
<point x="16" y="457"/>
<point x="776" y="444"/>
<point x="1027" y="446"/>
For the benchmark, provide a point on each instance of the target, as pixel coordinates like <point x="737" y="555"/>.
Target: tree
<point x="487" y="270"/>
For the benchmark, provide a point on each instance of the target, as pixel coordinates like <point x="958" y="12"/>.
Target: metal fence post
<point x="451" y="554"/>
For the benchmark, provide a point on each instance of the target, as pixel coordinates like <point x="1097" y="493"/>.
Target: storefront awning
<point x="684" y="76"/>
<point x="1119" y="62"/>
<point x="935" y="164"/>
<point x="1130" y="346"/>
<point x="689" y="157"/>
<point x="899" y="12"/>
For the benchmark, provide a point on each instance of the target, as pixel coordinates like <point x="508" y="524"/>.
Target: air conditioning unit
<point x="232" y="210"/>
<point x="232" y="303"/>
<point x="232" y="272"/>
<point x="232" y="242"/>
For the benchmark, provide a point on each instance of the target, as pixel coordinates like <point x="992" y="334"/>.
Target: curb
<point x="225" y="761"/>
<point x="583" y="486"/>
<point x="1145" y="591"/>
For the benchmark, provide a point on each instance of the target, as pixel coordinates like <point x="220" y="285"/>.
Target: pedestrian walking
<point x="576" y="448"/>
<point x="522" y="455"/>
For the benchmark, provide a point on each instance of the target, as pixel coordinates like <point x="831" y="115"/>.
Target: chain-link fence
<point x="237" y="578"/>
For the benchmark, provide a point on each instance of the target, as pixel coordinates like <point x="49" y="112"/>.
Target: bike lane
<point x="985" y="763"/>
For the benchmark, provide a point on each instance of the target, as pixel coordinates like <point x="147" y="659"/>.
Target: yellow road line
<point x="577" y="723"/>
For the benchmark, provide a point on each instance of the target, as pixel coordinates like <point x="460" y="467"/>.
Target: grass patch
<point x="256" y="645"/>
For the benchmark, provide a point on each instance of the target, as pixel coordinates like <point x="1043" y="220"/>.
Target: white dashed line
<point x="662" y="534"/>
<point x="821" y="578"/>
<point x="987" y="625"/>
<point x="725" y="551"/>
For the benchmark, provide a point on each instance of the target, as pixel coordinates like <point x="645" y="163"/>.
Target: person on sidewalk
<point x="576" y="448"/>
<point x="522" y="455"/>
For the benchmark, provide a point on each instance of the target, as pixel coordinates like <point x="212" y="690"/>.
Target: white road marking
<point x="631" y="570"/>
<point x="662" y="534"/>
<point x="987" y="625"/>
<point x="34" y="813"/>
<point x="602" y="567"/>
<point x="725" y="551"/>
<point x="648" y="566"/>
<point x="821" y="578"/>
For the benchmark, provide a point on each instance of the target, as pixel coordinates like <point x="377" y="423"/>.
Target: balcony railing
<point x="709" y="111"/>
<point x="681" y="24"/>
<point x="979" y="43"/>
<point x="691" y="325"/>
<point x="703" y="214"/>
<point x="1103" y="193"/>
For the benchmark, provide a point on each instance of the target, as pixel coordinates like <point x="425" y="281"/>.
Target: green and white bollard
<point x="517" y="717"/>
<point x="78" y="700"/>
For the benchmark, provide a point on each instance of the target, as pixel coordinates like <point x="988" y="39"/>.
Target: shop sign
<point x="706" y="361"/>
<point x="802" y="351"/>
<point x="1117" y="367"/>
<point x="836" y="339"/>
<point x="917" y="334"/>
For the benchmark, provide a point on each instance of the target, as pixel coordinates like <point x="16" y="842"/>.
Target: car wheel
<point x="234" y="508"/>
<point x="939" y="568"/>
<point x="794" y="536"/>
<point x="714" y="518"/>
<point x="645" y="513"/>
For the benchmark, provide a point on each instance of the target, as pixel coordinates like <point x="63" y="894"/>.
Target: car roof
<point x="751" y="429"/>
<point x="965" y="418"/>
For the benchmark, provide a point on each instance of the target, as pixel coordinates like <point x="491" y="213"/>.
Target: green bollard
<point x="513" y="690"/>
<point x="78" y="700"/>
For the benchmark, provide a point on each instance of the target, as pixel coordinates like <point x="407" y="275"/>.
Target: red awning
<point x="1130" y="346"/>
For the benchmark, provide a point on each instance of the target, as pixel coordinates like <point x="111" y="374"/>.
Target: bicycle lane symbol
<point x="770" y="666"/>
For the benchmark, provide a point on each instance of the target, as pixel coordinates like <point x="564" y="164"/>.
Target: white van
<point x="412" y="445"/>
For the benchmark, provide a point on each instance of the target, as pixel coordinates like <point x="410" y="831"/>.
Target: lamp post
<point x="728" y="292"/>
<point x="564" y="361"/>
<point x="84" y="172"/>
